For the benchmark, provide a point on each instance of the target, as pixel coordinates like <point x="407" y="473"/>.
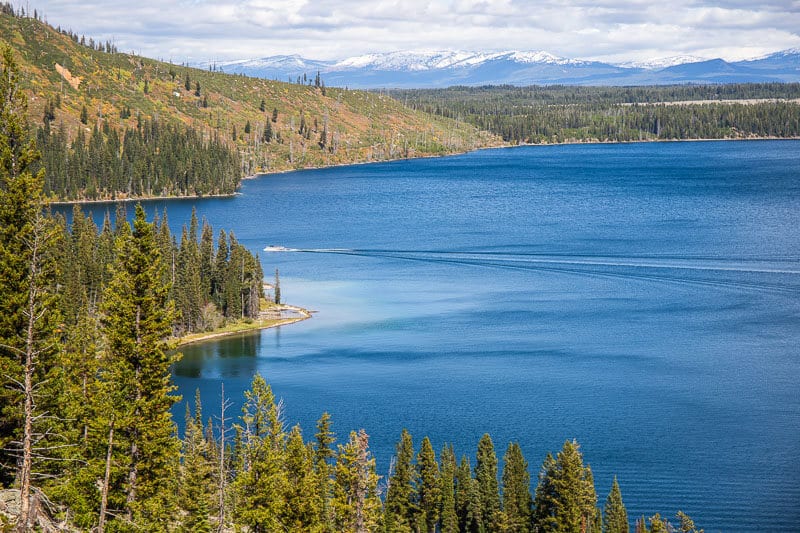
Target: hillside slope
<point x="309" y="125"/>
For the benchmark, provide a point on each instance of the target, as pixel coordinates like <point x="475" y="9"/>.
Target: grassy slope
<point x="363" y="126"/>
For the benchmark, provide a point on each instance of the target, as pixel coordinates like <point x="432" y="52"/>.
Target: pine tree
<point x="516" y="490"/>
<point x="27" y="342"/>
<point x="301" y="512"/>
<point x="267" y="138"/>
<point x="137" y="320"/>
<point x="447" y="510"/>
<point x="429" y="489"/>
<point x="17" y="210"/>
<point x="196" y="480"/>
<point x="468" y="499"/>
<point x="657" y="524"/>
<point x="486" y="476"/>
<point x="323" y="453"/>
<point x="614" y="513"/>
<point x="400" y="508"/>
<point x="274" y="114"/>
<point x="356" y="503"/>
<point x="545" y="496"/>
<point x="565" y="499"/>
<point x="686" y="524"/>
<point x="261" y="483"/>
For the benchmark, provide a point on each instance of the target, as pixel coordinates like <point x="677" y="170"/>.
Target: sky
<point x="604" y="30"/>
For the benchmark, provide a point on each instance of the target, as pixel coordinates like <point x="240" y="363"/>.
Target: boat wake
<point x="772" y="274"/>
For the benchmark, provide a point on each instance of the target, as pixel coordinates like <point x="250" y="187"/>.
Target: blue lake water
<point x="640" y="298"/>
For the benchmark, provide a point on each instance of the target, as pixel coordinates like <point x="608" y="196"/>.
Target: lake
<point x="640" y="298"/>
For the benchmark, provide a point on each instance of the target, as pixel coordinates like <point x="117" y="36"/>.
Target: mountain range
<point x="428" y="69"/>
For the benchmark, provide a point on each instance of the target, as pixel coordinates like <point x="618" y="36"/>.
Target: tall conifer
<point x="429" y="487"/>
<point x="401" y="509"/>
<point x="614" y="513"/>
<point x="516" y="490"/>
<point x="449" y="518"/>
<point x="486" y="476"/>
<point x="137" y="319"/>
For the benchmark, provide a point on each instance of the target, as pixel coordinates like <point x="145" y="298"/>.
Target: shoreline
<point x="431" y="156"/>
<point x="142" y="199"/>
<point x="256" y="325"/>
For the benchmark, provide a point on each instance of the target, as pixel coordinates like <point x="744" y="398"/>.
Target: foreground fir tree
<point x="486" y="476"/>
<point x="447" y="481"/>
<point x="614" y="513"/>
<point x="516" y="490"/>
<point x="468" y="499"/>
<point x="356" y="502"/>
<point x="28" y="308"/>
<point x="301" y="512"/>
<point x="401" y="509"/>
<point x="197" y="486"/>
<point x="429" y="487"/>
<point x="137" y="320"/>
<point x="323" y="453"/>
<point x="261" y="483"/>
<point x="565" y="500"/>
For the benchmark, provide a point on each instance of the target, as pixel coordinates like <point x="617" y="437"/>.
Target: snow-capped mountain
<point x="662" y="62"/>
<point x="442" y="68"/>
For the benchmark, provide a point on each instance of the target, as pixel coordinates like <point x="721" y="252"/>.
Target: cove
<point x="640" y="298"/>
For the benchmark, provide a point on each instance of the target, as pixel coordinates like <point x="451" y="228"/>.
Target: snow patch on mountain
<point x="663" y="62"/>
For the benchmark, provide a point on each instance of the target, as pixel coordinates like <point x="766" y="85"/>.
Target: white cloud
<point x="332" y="29"/>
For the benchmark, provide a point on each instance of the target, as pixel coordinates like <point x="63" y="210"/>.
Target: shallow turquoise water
<point x="641" y="298"/>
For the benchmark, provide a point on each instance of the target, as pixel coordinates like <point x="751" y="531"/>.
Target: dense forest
<point x="556" y="114"/>
<point x="150" y="159"/>
<point x="87" y="440"/>
<point x="209" y="283"/>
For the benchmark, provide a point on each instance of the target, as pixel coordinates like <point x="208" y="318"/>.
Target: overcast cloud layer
<point x="606" y="30"/>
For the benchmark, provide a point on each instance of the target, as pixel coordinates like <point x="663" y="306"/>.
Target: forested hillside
<point x="610" y="114"/>
<point x="117" y="125"/>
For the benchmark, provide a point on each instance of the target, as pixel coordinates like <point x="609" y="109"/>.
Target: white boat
<point x="273" y="248"/>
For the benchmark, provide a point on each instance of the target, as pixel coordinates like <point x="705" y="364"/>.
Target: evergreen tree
<point x="301" y="512"/>
<point x="275" y="114"/>
<point x="447" y="510"/>
<point x="220" y="271"/>
<point x="84" y="115"/>
<point x="27" y="306"/>
<point x="323" y="453"/>
<point x="486" y="476"/>
<point x="545" y="496"/>
<point x="400" y="508"/>
<point x="196" y="480"/>
<point x="18" y="208"/>
<point x="516" y="490"/>
<point x="261" y="482"/>
<point x="614" y="513"/>
<point x="137" y="319"/>
<point x="356" y="502"/>
<point x="429" y="489"/>
<point x="657" y="524"/>
<point x="565" y="498"/>
<point x="267" y="138"/>
<point x="262" y="106"/>
<point x="468" y="499"/>
<point x="686" y="524"/>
